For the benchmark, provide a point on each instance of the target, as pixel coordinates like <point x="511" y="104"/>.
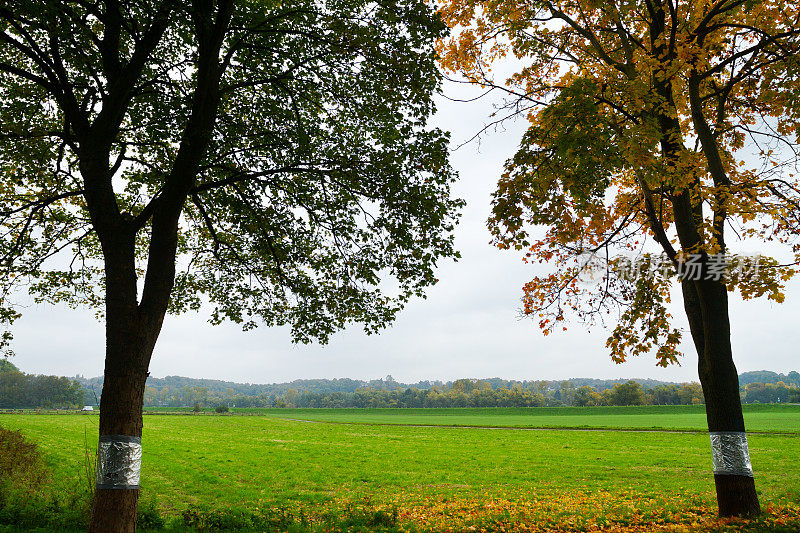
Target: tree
<point x="19" y="390"/>
<point x="248" y="156"/>
<point x="13" y="385"/>
<point x="691" y="394"/>
<point x="768" y="393"/>
<point x="794" y="395"/>
<point x="7" y="366"/>
<point x="664" y="395"/>
<point x="630" y="393"/>
<point x="656" y="129"/>
<point x="586" y="396"/>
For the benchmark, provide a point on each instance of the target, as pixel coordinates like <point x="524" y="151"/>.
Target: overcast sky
<point x="469" y="326"/>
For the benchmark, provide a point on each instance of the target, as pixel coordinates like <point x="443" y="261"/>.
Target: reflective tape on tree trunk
<point x="730" y="454"/>
<point x="119" y="462"/>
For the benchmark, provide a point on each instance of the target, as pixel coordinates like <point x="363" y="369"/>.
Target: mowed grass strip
<point x="758" y="418"/>
<point x="250" y="461"/>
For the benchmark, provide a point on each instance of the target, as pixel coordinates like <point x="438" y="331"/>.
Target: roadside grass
<point x="202" y="472"/>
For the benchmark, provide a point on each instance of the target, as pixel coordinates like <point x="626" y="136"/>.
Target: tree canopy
<point x="657" y="127"/>
<point x="303" y="181"/>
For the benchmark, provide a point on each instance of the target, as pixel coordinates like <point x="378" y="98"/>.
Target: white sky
<point x="469" y="326"/>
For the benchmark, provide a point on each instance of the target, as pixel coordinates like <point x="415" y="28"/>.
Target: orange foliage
<point x="582" y="510"/>
<point x="655" y="127"/>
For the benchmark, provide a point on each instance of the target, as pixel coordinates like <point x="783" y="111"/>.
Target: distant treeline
<point x="471" y="393"/>
<point x="220" y="388"/>
<point x="476" y="393"/>
<point x="22" y="391"/>
<point x="389" y="393"/>
<point x="770" y="393"/>
<point x="765" y="377"/>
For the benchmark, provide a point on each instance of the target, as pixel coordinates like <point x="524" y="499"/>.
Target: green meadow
<point x="758" y="418"/>
<point x="317" y="459"/>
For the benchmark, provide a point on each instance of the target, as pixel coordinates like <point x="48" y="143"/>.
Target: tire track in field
<point x="535" y="428"/>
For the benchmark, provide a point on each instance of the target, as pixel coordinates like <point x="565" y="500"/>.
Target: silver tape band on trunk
<point x="119" y="462"/>
<point x="730" y="454"/>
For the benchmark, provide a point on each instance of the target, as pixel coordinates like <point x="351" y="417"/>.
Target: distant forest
<point x="175" y="391"/>
<point x="20" y="390"/>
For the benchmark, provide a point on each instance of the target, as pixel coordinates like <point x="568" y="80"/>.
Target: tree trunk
<point x="706" y="305"/>
<point x="130" y="340"/>
<point x="114" y="509"/>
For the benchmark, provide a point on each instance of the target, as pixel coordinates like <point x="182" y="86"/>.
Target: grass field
<point x="758" y="418"/>
<point x="268" y="462"/>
